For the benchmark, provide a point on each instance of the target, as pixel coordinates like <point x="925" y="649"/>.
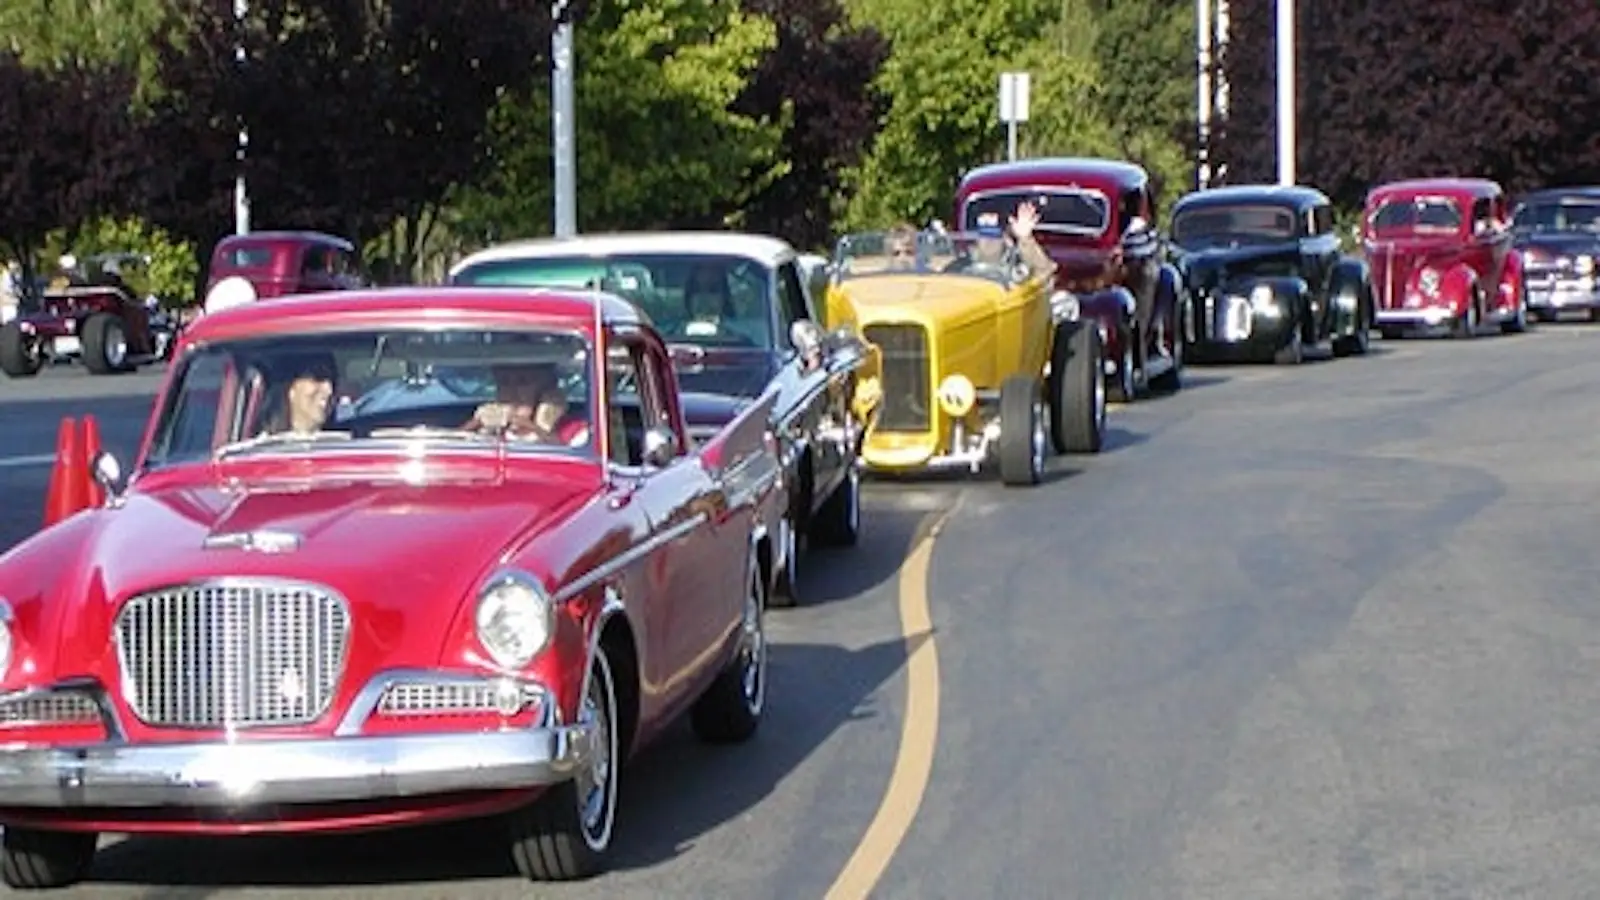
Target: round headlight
<point x="1428" y="281"/>
<point x="1261" y="297"/>
<point x="1065" y="306"/>
<point x="514" y="619"/>
<point x="957" y="396"/>
<point x="1584" y="265"/>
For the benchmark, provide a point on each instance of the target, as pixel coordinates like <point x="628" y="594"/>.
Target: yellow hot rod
<point x="982" y="361"/>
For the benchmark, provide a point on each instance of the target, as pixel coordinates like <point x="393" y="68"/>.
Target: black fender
<point x="1290" y="292"/>
<point x="1350" y="300"/>
<point x="1111" y="309"/>
<point x="1171" y="303"/>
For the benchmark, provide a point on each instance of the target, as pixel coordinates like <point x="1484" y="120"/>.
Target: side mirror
<point x="660" y="447"/>
<point x="1136" y="226"/>
<point x="107" y="472"/>
<point x="808" y="339"/>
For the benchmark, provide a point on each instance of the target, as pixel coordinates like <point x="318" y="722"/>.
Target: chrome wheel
<point x="853" y="498"/>
<point x="1125" y="368"/>
<point x="753" y="652"/>
<point x="1041" y="436"/>
<point x="597" y="783"/>
<point x="116" y="346"/>
<point x="1099" y="400"/>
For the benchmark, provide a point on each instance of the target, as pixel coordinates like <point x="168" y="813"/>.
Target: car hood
<point x="946" y="300"/>
<point x="1215" y="266"/>
<point x="735" y="371"/>
<point x="1556" y="244"/>
<point x="378" y="545"/>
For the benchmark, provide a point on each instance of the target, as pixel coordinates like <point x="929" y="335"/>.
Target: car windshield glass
<point x="1232" y="226"/>
<point x="1436" y="215"/>
<point x="923" y="253"/>
<point x="327" y="391"/>
<point x="1077" y="211"/>
<point x="1558" y="215"/>
<point x="694" y="298"/>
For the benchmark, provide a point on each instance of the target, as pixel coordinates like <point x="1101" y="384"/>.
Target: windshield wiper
<point x="277" y="438"/>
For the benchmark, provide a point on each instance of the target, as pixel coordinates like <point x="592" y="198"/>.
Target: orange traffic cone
<point x="56" y="497"/>
<point x="93" y="493"/>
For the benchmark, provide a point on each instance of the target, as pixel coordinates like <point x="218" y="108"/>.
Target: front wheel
<point x="37" y="860"/>
<point x="1078" y="395"/>
<point x="1024" y="433"/>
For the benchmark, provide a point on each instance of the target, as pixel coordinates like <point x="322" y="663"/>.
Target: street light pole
<point x="1286" y="110"/>
<point x="1202" y="52"/>
<point x="241" y="196"/>
<point x="561" y="123"/>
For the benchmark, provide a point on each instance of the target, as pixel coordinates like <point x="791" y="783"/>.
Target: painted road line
<point x="919" y="733"/>
<point x="22" y="462"/>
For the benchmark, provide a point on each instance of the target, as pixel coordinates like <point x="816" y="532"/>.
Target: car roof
<point x="1050" y="169"/>
<point x="1472" y="186"/>
<point x="1544" y="195"/>
<point x="1298" y="195"/>
<point x="388" y="307"/>
<point x="767" y="250"/>
<point x="286" y="237"/>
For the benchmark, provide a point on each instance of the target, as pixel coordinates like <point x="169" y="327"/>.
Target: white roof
<point x="769" y="251"/>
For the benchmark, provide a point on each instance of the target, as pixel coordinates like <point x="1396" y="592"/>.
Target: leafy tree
<point x="819" y="79"/>
<point x="659" y="144"/>
<point x="173" y="267"/>
<point x="1145" y="51"/>
<point x="88" y="33"/>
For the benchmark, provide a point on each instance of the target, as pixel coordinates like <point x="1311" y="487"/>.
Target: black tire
<point x="730" y="710"/>
<point x="786" y="580"/>
<point x="1077" y="390"/>
<point x="1466" y="327"/>
<point x="19" y="357"/>
<point x="1126" y="388"/>
<point x="38" y="860"/>
<point x="1023" y="431"/>
<point x="1360" y="341"/>
<point x="1171" y="381"/>
<point x="838" y="521"/>
<point x="551" y="840"/>
<point x="1519" y="322"/>
<point x="105" y="344"/>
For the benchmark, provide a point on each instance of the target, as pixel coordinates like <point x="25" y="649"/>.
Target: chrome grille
<point x="907" y="390"/>
<point x="54" y="708"/>
<point x="232" y="653"/>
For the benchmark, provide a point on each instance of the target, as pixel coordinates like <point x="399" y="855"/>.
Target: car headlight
<point x="1583" y="265"/>
<point x="957" y="396"/>
<point x="1065" y="306"/>
<point x="1428" y="282"/>
<point x="1262" y="298"/>
<point x="514" y="618"/>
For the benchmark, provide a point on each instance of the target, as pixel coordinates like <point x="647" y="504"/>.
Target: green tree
<point x="172" y="269"/>
<point x="658" y="145"/>
<point x="87" y="33"/>
<point x="1145" y="51"/>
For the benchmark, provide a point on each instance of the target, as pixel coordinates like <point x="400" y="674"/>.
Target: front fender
<point x="1455" y="287"/>
<point x="1350" y="295"/>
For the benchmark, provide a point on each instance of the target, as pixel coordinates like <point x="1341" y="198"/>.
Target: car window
<point x="1322" y="219"/>
<point x="791" y="297"/>
<point x="633" y="401"/>
<point x="190" y="420"/>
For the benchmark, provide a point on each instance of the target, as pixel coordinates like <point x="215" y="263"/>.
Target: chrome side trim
<point x="611" y="567"/>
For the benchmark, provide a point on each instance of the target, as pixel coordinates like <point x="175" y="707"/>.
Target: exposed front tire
<point x="1023" y="431"/>
<point x="105" y="344"/>
<point x="1078" y="391"/>
<point x="37" y="860"/>
<point x="786" y="582"/>
<point x="20" y="355"/>
<point x="566" y="835"/>
<point x="730" y="710"/>
<point x="1294" y="352"/>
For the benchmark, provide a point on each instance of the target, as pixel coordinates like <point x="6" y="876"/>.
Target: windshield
<point x="693" y="298"/>
<point x="923" y="253"/>
<point x="1422" y="215"/>
<point x="1061" y="210"/>
<point x="1572" y="214"/>
<point x="528" y="389"/>
<point x="1213" y="226"/>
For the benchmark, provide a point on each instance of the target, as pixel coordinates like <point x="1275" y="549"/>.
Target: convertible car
<point x="1263" y="267"/>
<point x="982" y="361"/>
<point x="1441" y="258"/>
<point x="461" y="595"/>
<point x="1557" y="234"/>
<point x="96" y="317"/>
<point x="738" y="313"/>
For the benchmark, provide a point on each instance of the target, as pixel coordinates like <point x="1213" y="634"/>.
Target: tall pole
<point x="1202" y="52"/>
<point x="561" y="123"/>
<point x="1286" y="110"/>
<point x="241" y="196"/>
<point x="1011" y="140"/>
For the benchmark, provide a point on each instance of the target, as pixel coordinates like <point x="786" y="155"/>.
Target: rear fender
<point x="1510" y="288"/>
<point x="1111" y="310"/>
<point x="1350" y="295"/>
<point x="743" y="457"/>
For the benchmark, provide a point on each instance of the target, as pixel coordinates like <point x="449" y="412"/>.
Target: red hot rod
<point x="95" y="317"/>
<point x="1097" y="222"/>
<point x="1441" y="257"/>
<point x="464" y="594"/>
<point x="262" y="264"/>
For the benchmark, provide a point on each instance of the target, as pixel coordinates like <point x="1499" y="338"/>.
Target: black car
<point x="1267" y="278"/>
<point x="738" y="317"/>
<point x="1557" y="233"/>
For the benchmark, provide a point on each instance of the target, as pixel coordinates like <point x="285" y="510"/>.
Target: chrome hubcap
<point x="116" y="347"/>
<point x="1040" y="436"/>
<point x="853" y="485"/>
<point x="1099" y="399"/>
<point x="1126" y="374"/>
<point x="596" y="790"/>
<point x="755" y="649"/>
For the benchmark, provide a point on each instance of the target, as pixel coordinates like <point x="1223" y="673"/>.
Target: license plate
<point x="65" y="345"/>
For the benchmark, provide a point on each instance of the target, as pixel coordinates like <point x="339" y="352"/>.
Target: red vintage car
<point x="1441" y="258"/>
<point x="262" y="264"/>
<point x="1097" y="221"/>
<point x="457" y="596"/>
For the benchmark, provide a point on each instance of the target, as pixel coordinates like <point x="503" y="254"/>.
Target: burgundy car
<point x="1440" y="251"/>
<point x="1097" y="221"/>
<point x="95" y="318"/>
<point x="262" y="264"/>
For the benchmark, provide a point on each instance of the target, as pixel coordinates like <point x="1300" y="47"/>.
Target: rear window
<point x="247" y="257"/>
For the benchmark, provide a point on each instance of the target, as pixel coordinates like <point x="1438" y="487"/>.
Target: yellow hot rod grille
<point x="906" y="390"/>
<point x="232" y="652"/>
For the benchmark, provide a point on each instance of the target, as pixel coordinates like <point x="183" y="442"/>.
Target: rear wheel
<point x="20" y="355"/>
<point x="33" y="859"/>
<point x="105" y="344"/>
<point x="1078" y="391"/>
<point x="1024" y="433"/>
<point x="838" y="521"/>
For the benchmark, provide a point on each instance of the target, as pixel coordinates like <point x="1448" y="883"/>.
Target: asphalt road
<point x="1305" y="633"/>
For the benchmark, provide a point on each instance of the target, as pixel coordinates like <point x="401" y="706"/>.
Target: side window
<point x="1132" y="204"/>
<point x="314" y="261"/>
<point x="1480" y="213"/>
<point x="791" y="299"/>
<point x="1321" y="219"/>
<point x="634" y="401"/>
<point x="195" y="421"/>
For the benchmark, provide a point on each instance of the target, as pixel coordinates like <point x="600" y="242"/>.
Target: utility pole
<point x="241" y="196"/>
<point x="1286" y="108"/>
<point x="1203" y="103"/>
<point x="561" y="120"/>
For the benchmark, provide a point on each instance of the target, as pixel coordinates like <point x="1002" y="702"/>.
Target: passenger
<point x="902" y="248"/>
<point x="709" y="304"/>
<point x="529" y="404"/>
<point x="306" y="401"/>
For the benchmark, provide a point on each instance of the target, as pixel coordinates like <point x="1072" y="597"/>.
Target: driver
<point x="710" y="305"/>
<point x="990" y="247"/>
<point x="902" y="248"/>
<point x="529" y="404"/>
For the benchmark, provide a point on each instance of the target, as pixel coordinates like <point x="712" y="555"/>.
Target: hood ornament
<point x="254" y="541"/>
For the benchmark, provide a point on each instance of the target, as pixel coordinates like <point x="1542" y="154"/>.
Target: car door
<point x="1319" y="253"/>
<point x="1482" y="246"/>
<point x="818" y="396"/>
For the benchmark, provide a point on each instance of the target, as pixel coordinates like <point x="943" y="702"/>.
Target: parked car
<point x="262" y="264"/>
<point x="1441" y="258"/>
<point x="739" y="316"/>
<point x="1556" y="232"/>
<point x="91" y="316"/>
<point x="1099" y="225"/>
<point x="983" y="362"/>
<point x="1265" y="275"/>
<point x="293" y="621"/>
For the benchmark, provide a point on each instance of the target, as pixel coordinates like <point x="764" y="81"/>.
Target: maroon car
<point x="94" y="317"/>
<point x="1441" y="255"/>
<point x="249" y="267"/>
<point x="1097" y="221"/>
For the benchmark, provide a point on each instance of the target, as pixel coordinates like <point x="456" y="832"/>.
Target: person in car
<point x="529" y="404"/>
<point x="306" y="383"/>
<point x="710" y="308"/>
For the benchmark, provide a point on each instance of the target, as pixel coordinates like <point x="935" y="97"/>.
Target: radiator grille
<point x="906" y="388"/>
<point x="232" y="653"/>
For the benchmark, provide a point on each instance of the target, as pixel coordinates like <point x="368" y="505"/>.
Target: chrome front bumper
<point x="1558" y="295"/>
<point x="1421" y="317"/>
<point x="330" y="770"/>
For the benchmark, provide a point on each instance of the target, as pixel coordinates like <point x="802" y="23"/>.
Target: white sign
<point x="1014" y="96"/>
